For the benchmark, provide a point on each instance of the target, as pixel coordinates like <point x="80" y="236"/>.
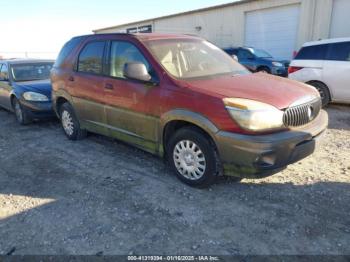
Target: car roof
<point x="327" y="41"/>
<point x="26" y="61"/>
<point x="158" y="36"/>
<point x="145" y="36"/>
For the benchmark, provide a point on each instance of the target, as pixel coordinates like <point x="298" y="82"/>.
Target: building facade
<point x="278" y="26"/>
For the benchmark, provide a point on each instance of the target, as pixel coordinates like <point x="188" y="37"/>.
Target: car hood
<point x="40" y="86"/>
<point x="276" y="91"/>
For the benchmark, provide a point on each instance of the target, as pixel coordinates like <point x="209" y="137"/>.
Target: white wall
<point x="226" y="26"/>
<point x="340" y="25"/>
<point x="273" y="29"/>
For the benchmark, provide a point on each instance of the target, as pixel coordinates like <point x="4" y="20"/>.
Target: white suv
<point x="325" y="64"/>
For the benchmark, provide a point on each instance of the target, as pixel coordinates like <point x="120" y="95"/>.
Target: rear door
<point x="87" y="84"/>
<point x="337" y="71"/>
<point x="129" y="115"/>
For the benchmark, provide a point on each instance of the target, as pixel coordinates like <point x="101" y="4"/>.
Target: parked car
<point x="325" y="65"/>
<point x="25" y="88"/>
<point x="258" y="60"/>
<point x="183" y="98"/>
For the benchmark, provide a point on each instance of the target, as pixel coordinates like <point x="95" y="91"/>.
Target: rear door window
<point x="316" y="52"/>
<point x="231" y="51"/>
<point x="91" y="58"/>
<point x="339" y="52"/>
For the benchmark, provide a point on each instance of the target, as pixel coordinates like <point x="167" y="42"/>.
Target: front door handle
<point x="109" y="86"/>
<point x="71" y="78"/>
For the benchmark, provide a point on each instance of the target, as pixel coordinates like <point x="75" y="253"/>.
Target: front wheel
<point x="264" y="70"/>
<point x="21" y="115"/>
<point x="193" y="158"/>
<point x="70" y="123"/>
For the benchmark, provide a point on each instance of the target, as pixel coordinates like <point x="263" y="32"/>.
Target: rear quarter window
<point x="339" y="52"/>
<point x="316" y="52"/>
<point x="66" y="50"/>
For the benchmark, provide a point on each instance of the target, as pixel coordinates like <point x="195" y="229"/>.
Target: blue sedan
<point x="25" y="88"/>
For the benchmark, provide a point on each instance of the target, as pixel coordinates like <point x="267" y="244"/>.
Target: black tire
<point x="264" y="70"/>
<point x="20" y="113"/>
<point x="212" y="164"/>
<point x="324" y="92"/>
<point x="73" y="132"/>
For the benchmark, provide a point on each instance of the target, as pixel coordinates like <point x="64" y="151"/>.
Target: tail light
<point x="293" y="69"/>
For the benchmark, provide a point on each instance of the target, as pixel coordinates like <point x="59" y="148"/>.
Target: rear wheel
<point x="324" y="92"/>
<point x="21" y="115"/>
<point x="193" y="158"/>
<point x="70" y="123"/>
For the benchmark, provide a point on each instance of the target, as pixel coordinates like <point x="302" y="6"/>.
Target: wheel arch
<point x="323" y="83"/>
<point x="12" y="98"/>
<point x="179" y="118"/>
<point x="59" y="98"/>
<point x="260" y="67"/>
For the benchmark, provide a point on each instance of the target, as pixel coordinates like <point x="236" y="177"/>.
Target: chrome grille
<point x="302" y="114"/>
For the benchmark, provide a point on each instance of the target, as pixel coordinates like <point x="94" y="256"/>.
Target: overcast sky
<point x="41" y="27"/>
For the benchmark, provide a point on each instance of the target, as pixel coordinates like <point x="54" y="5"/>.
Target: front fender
<point x="190" y="117"/>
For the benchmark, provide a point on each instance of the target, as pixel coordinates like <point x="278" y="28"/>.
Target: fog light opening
<point x="266" y="160"/>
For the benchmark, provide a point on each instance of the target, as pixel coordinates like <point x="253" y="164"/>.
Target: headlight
<point x="278" y="64"/>
<point x="32" y="96"/>
<point x="253" y="115"/>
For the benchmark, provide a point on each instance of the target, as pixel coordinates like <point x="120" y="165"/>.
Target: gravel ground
<point x="102" y="196"/>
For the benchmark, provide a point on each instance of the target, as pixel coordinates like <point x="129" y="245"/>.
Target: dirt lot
<point x="99" y="195"/>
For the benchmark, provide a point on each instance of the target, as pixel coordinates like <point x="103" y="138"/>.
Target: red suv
<point x="183" y="98"/>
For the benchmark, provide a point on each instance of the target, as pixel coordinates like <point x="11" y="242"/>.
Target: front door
<point x="247" y="59"/>
<point x="128" y="111"/>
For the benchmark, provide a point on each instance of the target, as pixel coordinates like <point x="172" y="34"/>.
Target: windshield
<point x="30" y="72"/>
<point x="191" y="58"/>
<point x="261" y="53"/>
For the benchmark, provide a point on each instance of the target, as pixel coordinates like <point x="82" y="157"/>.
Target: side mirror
<point x="234" y="57"/>
<point x="137" y="71"/>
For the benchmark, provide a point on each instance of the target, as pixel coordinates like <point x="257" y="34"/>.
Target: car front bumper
<point x="259" y="156"/>
<point x="38" y="110"/>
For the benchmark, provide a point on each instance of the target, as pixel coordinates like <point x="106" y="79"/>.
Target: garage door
<point x="340" y="18"/>
<point x="273" y="29"/>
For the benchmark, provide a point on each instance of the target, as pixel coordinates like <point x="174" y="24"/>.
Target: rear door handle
<point x="109" y="86"/>
<point x="71" y="78"/>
